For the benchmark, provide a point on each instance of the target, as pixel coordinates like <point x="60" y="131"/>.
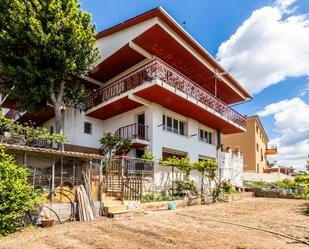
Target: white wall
<point x="231" y="167"/>
<point x="266" y="177"/>
<point x="111" y="43"/>
<point x="188" y="143"/>
<point x="74" y="128"/>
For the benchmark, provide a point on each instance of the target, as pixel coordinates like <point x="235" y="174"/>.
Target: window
<point x="87" y="128"/>
<point x="257" y="147"/>
<point x="257" y="129"/>
<point x="262" y="158"/>
<point x="205" y="136"/>
<point x="173" y="125"/>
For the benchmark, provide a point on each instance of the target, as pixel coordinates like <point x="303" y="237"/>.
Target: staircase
<point x="114" y="208"/>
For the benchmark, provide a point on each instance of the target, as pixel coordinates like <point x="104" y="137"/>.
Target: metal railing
<point x="157" y="69"/>
<point x="132" y="131"/>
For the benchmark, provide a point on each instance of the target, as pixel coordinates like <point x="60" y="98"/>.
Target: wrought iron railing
<point x="132" y="131"/>
<point x="157" y="69"/>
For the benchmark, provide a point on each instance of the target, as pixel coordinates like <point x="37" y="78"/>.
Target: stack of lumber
<point x="88" y="191"/>
<point x="85" y="211"/>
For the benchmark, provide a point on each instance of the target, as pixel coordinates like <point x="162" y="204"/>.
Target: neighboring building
<point x="156" y="85"/>
<point x="254" y="145"/>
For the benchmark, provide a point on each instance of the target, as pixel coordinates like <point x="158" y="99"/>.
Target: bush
<point x="228" y="188"/>
<point x="16" y="195"/>
<point x="186" y="186"/>
<point x="154" y="197"/>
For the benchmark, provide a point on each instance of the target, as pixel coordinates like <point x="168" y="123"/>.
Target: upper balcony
<point x="160" y="83"/>
<point x="271" y="150"/>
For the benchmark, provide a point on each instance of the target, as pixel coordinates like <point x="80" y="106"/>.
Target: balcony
<point x="138" y="133"/>
<point x="160" y="83"/>
<point x="271" y="150"/>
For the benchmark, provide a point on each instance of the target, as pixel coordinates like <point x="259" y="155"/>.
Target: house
<point x="157" y="86"/>
<point x="254" y="145"/>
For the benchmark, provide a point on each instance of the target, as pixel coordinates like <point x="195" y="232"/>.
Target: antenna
<point x="184" y="24"/>
<point x="218" y="73"/>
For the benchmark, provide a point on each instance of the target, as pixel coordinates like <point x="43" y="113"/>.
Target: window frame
<point x="177" y="126"/>
<point x="90" y="128"/>
<point x="207" y="136"/>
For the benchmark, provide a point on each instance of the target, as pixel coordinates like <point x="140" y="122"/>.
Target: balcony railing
<point x="132" y="131"/>
<point x="158" y="69"/>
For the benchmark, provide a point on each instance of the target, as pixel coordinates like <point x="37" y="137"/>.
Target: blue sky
<point x="213" y="22"/>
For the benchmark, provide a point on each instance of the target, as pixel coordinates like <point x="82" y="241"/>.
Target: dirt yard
<point x="175" y="229"/>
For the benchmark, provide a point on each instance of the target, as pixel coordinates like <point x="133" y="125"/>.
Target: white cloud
<point x="271" y="45"/>
<point x="292" y="127"/>
<point x="304" y="91"/>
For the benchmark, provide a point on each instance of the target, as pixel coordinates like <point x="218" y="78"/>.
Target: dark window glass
<point x="87" y="128"/>
<point x="163" y="121"/>
<point x="169" y="123"/>
<point x="209" y="138"/>
<point x="181" y="128"/>
<point x="175" y="126"/>
<point x="201" y="135"/>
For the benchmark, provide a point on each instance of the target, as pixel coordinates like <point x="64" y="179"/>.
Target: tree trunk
<point x="57" y="101"/>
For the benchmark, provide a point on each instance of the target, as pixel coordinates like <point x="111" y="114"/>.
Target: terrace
<point x="160" y="83"/>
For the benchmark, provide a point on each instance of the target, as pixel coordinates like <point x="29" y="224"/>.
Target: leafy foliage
<point x="299" y="186"/>
<point x="154" y="197"/>
<point x="148" y="156"/>
<point x="228" y="188"/>
<point x="28" y="133"/>
<point x="183" y="164"/>
<point x="44" y="47"/>
<point x="113" y="141"/>
<point x="16" y="195"/>
<point x="186" y="186"/>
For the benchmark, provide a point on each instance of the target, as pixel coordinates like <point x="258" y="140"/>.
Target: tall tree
<point x="45" y="45"/>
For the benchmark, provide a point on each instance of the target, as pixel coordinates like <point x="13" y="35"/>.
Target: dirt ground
<point x="175" y="229"/>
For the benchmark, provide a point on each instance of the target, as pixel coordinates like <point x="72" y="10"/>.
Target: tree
<point x="45" y="46"/>
<point x="183" y="164"/>
<point x="112" y="141"/>
<point x="207" y="168"/>
<point x="16" y="195"/>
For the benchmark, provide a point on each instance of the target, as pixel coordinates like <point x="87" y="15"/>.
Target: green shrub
<point x="154" y="197"/>
<point x="183" y="186"/>
<point x="16" y="195"/>
<point x="228" y="188"/>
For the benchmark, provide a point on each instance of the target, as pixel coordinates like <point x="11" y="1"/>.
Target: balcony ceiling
<point x="158" y="42"/>
<point x="168" y="99"/>
<point x="115" y="64"/>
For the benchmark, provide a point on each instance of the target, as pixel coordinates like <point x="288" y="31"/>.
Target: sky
<point x="263" y="43"/>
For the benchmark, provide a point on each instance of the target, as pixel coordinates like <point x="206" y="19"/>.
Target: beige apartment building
<point x="253" y="143"/>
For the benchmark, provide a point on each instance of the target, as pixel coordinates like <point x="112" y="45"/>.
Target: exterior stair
<point x="113" y="207"/>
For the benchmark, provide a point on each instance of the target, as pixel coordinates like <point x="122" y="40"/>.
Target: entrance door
<point x="141" y="126"/>
<point x="141" y="119"/>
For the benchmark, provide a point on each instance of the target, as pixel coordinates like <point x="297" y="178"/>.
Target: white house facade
<point x="157" y="86"/>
